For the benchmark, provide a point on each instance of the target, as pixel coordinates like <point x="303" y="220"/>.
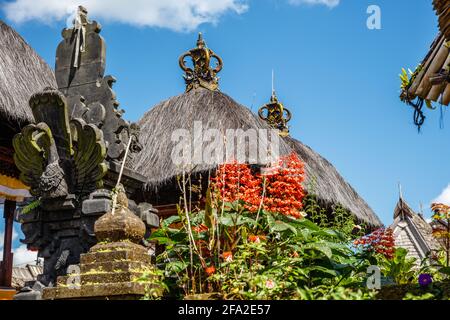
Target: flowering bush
<point x="252" y="241"/>
<point x="380" y="241"/>
<point x="278" y="189"/>
<point x="441" y="228"/>
<point x="235" y="182"/>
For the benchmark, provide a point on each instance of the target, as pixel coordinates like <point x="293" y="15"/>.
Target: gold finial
<point x="202" y="75"/>
<point x="275" y="115"/>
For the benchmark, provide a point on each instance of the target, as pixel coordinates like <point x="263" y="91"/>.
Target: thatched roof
<point x="213" y="109"/>
<point x="22" y="73"/>
<point x="217" y="110"/>
<point x="323" y="180"/>
<point x="412" y="232"/>
<point x="442" y="8"/>
<point x="423" y="86"/>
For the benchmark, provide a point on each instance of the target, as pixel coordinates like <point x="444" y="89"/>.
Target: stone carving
<point x="202" y="75"/>
<point x="71" y="157"/>
<point x="80" y="68"/>
<point x="277" y="116"/>
<point x="111" y="268"/>
<point x="57" y="157"/>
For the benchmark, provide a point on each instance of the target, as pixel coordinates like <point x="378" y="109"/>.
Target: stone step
<point x="111" y="266"/>
<point x="109" y="277"/>
<point x="117" y="255"/>
<point x="123" y="290"/>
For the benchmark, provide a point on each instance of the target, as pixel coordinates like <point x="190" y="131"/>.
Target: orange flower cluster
<point x="200" y="228"/>
<point x="380" y="241"/>
<point x="227" y="256"/>
<point x="256" y="238"/>
<point x="235" y="181"/>
<point x="210" y="270"/>
<point x="283" y="186"/>
<point x="441" y="211"/>
<point x="284" y="190"/>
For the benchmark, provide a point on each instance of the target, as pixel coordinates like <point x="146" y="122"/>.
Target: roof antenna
<point x="400" y="192"/>
<point x="421" y="209"/>
<point x="273" y="86"/>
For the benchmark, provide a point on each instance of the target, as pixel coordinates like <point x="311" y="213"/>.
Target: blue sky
<point x="339" y="78"/>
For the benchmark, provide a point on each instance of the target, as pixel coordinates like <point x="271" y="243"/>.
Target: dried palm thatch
<point x="217" y="110"/>
<point x="213" y="109"/>
<point x="442" y="8"/>
<point x="22" y="73"/>
<point x="323" y="180"/>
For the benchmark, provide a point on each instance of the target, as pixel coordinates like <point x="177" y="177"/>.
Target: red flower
<point x="200" y="228"/>
<point x="227" y="256"/>
<point x="235" y="181"/>
<point x="256" y="238"/>
<point x="210" y="270"/>
<point x="281" y="185"/>
<point x="380" y="241"/>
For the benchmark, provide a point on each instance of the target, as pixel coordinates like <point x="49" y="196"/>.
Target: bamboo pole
<point x="432" y="54"/>
<point x="435" y="67"/>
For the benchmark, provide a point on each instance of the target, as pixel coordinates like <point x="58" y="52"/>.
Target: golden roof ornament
<point x="275" y="114"/>
<point x="202" y="75"/>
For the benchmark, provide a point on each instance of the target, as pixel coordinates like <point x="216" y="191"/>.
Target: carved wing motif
<point x="32" y="151"/>
<point x="89" y="156"/>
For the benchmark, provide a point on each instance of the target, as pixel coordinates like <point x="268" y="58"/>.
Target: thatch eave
<point x="324" y="181"/>
<point x="217" y="110"/>
<point x="22" y="73"/>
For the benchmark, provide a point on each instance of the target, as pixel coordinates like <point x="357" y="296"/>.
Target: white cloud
<point x="178" y="15"/>
<point x="2" y="237"/>
<point x="22" y="256"/>
<point x="328" y="3"/>
<point x="444" y="197"/>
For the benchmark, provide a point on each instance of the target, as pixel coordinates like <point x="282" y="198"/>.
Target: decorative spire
<point x="79" y="27"/>
<point x="275" y="115"/>
<point x="202" y="75"/>
<point x="400" y="191"/>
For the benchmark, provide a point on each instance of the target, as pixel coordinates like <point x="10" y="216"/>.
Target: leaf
<point x="279" y="226"/>
<point x="176" y="266"/>
<point x="232" y="219"/>
<point x="305" y="223"/>
<point x="323" y="270"/>
<point x="445" y="270"/>
<point x="168" y="221"/>
<point x="322" y="247"/>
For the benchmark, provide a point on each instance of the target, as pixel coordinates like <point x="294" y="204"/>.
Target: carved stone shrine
<point x="71" y="157"/>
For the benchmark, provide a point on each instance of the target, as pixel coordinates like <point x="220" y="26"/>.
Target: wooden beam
<point x="7" y="263"/>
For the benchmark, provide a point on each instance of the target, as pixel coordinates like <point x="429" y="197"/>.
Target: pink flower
<point x="270" y="284"/>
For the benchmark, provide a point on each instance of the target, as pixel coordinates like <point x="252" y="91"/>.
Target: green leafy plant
<point x="400" y="268"/>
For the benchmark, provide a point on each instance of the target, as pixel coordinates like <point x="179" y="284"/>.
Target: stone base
<point x="108" y="271"/>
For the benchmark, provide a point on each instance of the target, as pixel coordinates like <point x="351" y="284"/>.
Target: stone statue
<point x="71" y="157"/>
<point x="57" y="157"/>
<point x="80" y="68"/>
